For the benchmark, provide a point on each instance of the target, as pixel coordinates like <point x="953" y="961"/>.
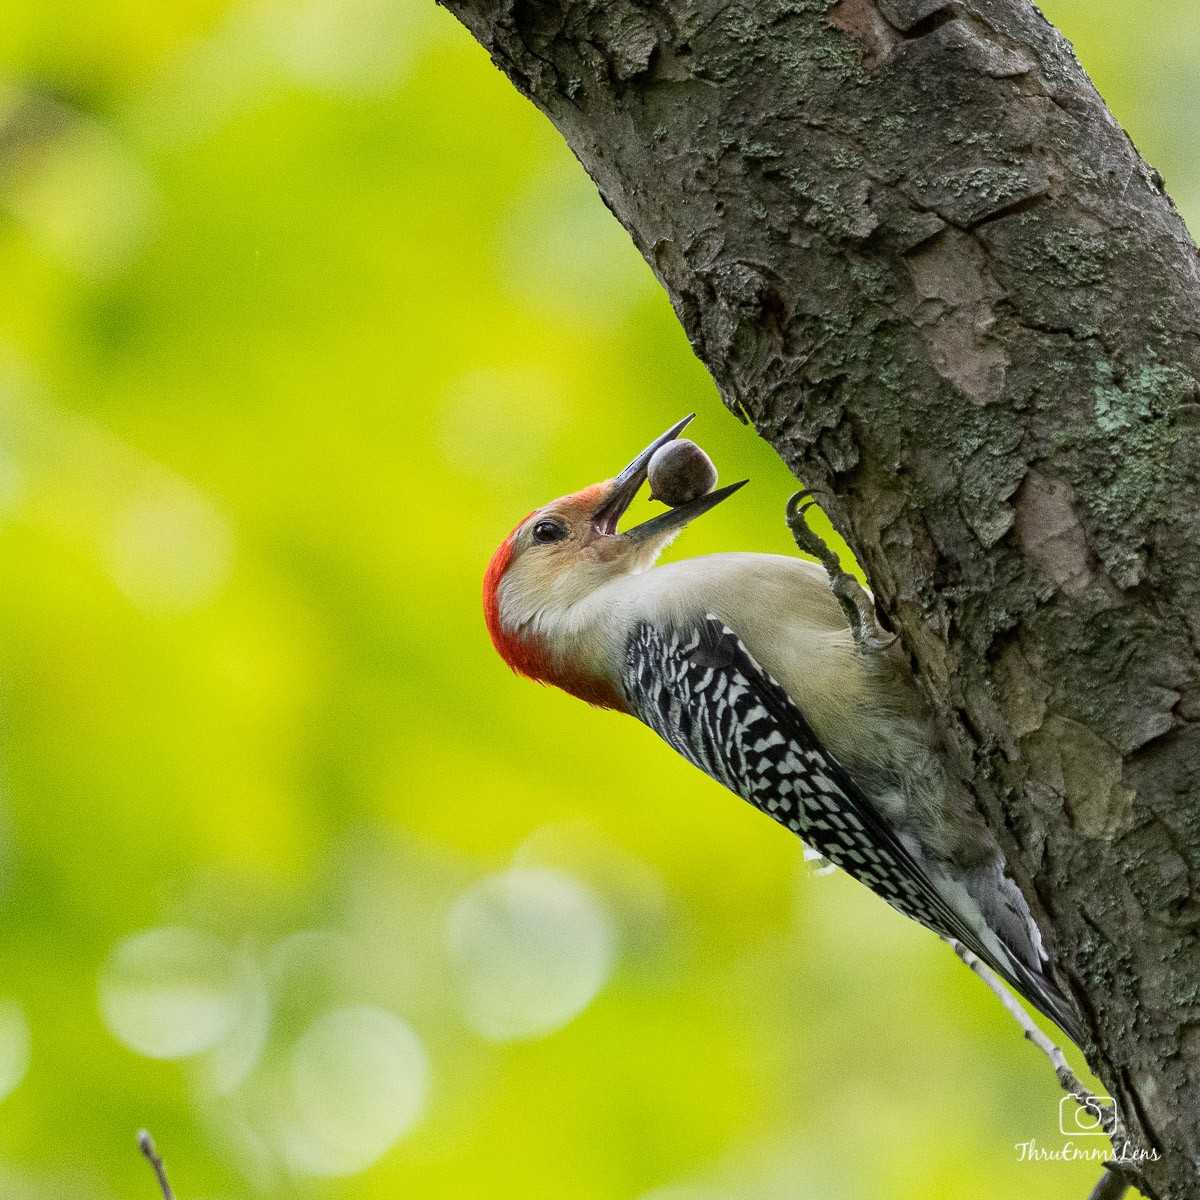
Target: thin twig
<point x="1112" y="1183"/>
<point x="1066" y="1077"/>
<point x="146" y="1146"/>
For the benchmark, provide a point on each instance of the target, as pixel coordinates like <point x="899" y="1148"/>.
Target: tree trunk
<point x="917" y="252"/>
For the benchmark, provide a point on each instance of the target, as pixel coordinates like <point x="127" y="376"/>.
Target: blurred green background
<point x="302" y="309"/>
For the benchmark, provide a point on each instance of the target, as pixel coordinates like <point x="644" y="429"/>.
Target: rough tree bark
<point x="919" y="255"/>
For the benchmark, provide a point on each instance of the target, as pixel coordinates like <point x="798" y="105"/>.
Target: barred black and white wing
<point x="704" y="694"/>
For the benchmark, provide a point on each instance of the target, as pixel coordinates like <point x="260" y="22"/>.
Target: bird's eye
<point x="548" y="531"/>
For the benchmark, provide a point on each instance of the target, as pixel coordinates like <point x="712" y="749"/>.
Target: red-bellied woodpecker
<point x="746" y="665"/>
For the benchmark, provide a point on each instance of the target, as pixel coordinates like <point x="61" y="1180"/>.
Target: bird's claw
<point x="796" y="504"/>
<point x="855" y="601"/>
<point x="804" y="536"/>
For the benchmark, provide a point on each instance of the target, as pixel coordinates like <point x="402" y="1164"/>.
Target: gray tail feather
<point x="1035" y="986"/>
<point x="1025" y="966"/>
<point x="1048" y="998"/>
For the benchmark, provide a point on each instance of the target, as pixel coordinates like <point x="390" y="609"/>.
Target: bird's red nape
<point x="499" y="564"/>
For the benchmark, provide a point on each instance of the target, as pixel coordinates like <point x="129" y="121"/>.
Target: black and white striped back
<point x="702" y="692"/>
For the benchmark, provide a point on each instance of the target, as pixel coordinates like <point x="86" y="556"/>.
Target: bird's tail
<point x="1045" y="994"/>
<point x="1015" y="949"/>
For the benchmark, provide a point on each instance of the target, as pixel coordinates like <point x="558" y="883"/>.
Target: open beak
<point x="627" y="485"/>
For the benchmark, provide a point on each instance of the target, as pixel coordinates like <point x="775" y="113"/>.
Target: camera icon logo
<point x="1083" y="1116"/>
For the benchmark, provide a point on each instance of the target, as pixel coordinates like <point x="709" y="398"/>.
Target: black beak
<point x="677" y="518"/>
<point x="627" y="485"/>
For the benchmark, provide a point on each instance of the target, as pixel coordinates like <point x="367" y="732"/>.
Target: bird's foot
<point x="854" y="599"/>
